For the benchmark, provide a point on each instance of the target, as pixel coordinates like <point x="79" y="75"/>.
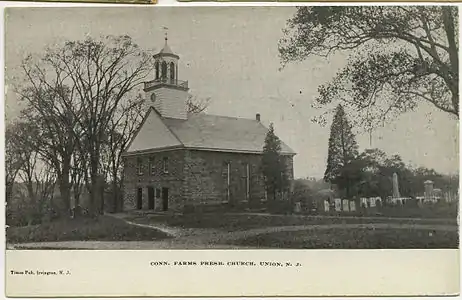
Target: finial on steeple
<point x="166" y="33"/>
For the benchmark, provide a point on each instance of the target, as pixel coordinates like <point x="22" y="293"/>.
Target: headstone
<point x="363" y="202"/>
<point x="338" y="204"/>
<point x="428" y="194"/>
<point x="298" y="207"/>
<point x="372" y="201"/>
<point x="326" y="205"/>
<point x="352" y="206"/>
<point x="346" y="206"/>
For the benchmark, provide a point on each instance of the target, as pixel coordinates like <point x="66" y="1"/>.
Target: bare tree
<point x="47" y="98"/>
<point x="78" y="175"/>
<point x="33" y="172"/>
<point x="13" y="158"/>
<point x="45" y="180"/>
<point x="78" y="88"/>
<point x="195" y="105"/>
<point x="122" y="129"/>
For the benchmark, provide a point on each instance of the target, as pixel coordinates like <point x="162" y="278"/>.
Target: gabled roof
<point x="207" y="132"/>
<point x="152" y="134"/>
<point x="221" y="133"/>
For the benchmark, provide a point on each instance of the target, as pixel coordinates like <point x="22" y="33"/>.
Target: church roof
<point x="166" y="49"/>
<point x="209" y="132"/>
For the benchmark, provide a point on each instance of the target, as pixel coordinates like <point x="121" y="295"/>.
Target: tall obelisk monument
<point x="395" y="186"/>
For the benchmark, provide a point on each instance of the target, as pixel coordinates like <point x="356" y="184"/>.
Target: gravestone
<point x="346" y="206"/>
<point x="372" y="201"/>
<point x="338" y="204"/>
<point x="326" y="205"/>
<point x="363" y="202"/>
<point x="298" y="207"/>
<point x="352" y="206"/>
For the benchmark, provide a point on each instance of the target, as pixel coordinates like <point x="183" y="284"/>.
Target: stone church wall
<point x="207" y="178"/>
<point x="197" y="178"/>
<point x="156" y="178"/>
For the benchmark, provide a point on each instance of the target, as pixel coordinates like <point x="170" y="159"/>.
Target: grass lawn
<point x="355" y="239"/>
<point x="236" y="222"/>
<point x="104" y="228"/>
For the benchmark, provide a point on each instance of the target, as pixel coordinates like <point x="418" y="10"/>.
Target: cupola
<point x="166" y="93"/>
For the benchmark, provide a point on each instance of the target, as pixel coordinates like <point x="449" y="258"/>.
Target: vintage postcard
<point x="315" y="148"/>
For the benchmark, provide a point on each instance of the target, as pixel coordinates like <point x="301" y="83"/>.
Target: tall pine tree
<point x="273" y="165"/>
<point x="342" y="153"/>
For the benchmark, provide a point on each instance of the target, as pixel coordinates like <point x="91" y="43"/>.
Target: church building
<point x="178" y="160"/>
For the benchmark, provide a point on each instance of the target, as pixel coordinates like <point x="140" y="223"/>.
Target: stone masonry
<point x="195" y="177"/>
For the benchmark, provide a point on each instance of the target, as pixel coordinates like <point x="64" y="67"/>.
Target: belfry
<point x="166" y="93"/>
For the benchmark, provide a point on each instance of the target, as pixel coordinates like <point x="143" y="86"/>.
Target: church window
<point x="157" y="69"/>
<point x="227" y="180"/>
<point x="265" y="188"/>
<point x="164" y="70"/>
<point x="165" y="164"/>
<point x="152" y="165"/>
<point x="139" y="166"/>
<point x="247" y="181"/>
<point x="172" y="71"/>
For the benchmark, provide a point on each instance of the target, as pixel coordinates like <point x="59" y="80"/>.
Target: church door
<point x="150" y="197"/>
<point x="139" y="199"/>
<point x="164" y="199"/>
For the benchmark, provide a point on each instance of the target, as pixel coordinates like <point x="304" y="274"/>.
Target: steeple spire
<point x="166" y="49"/>
<point x="166" y="34"/>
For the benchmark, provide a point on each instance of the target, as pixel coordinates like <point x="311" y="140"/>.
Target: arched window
<point x="157" y="69"/>
<point x="164" y="70"/>
<point x="172" y="71"/>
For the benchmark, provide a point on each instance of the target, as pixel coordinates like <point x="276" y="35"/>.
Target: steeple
<point x="166" y="92"/>
<point x="166" y="65"/>
<point x="167" y="49"/>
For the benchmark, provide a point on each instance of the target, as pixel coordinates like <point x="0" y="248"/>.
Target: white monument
<point x="346" y="205"/>
<point x="338" y="204"/>
<point x="395" y="186"/>
<point x="428" y="194"/>
<point x="352" y="206"/>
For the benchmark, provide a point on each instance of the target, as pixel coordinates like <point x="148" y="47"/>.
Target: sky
<point x="230" y="55"/>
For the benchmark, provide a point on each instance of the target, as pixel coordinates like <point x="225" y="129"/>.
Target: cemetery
<point x="433" y="203"/>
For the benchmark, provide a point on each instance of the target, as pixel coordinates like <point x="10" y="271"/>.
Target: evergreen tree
<point x="273" y="165"/>
<point x="343" y="150"/>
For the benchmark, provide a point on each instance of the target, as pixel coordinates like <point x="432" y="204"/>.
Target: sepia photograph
<point x="311" y="127"/>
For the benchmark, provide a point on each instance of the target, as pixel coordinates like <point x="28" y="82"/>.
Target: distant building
<point x="177" y="159"/>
